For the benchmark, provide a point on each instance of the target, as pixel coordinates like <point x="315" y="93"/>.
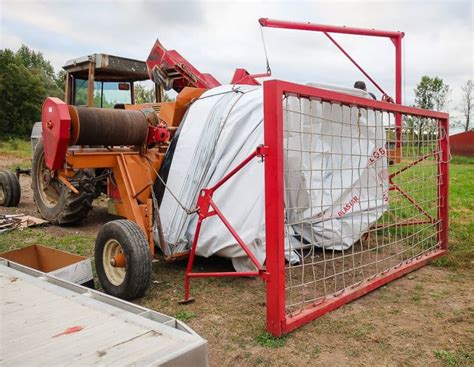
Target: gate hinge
<point x="262" y="151"/>
<point x="264" y="274"/>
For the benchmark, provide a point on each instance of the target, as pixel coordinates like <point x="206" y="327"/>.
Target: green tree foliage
<point x="26" y="79"/>
<point x="82" y="87"/>
<point x="60" y="79"/>
<point x="34" y="60"/>
<point x="167" y="98"/>
<point x="430" y="94"/>
<point x="143" y="95"/>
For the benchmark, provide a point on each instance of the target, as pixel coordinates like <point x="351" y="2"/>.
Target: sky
<point x="219" y="36"/>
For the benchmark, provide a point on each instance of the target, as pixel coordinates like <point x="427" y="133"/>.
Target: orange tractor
<point x="85" y="151"/>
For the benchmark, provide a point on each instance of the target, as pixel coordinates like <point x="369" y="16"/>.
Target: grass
<point x="269" y="341"/>
<point x="185" y="315"/>
<point x="15" y="147"/>
<point x="458" y="358"/>
<point x="231" y="315"/>
<point x="461" y="209"/>
<point x="462" y="160"/>
<point x="78" y="244"/>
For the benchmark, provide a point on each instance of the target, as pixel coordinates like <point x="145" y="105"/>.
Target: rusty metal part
<point x="177" y="257"/>
<point x="119" y="261"/>
<point x="96" y="126"/>
<point x="75" y="128"/>
<point x="134" y="174"/>
<point x="69" y="185"/>
<point x="46" y="175"/>
<point x="90" y="84"/>
<point x="171" y="70"/>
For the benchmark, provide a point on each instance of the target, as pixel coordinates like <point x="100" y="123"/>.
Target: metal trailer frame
<point x="189" y="346"/>
<point x="278" y="323"/>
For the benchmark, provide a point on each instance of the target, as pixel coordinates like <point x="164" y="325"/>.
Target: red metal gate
<point x="323" y="254"/>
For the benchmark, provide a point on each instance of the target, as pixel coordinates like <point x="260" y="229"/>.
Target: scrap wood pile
<point x="9" y="222"/>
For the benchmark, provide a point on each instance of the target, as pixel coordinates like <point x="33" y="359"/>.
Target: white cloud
<point x="9" y="41"/>
<point x="219" y="36"/>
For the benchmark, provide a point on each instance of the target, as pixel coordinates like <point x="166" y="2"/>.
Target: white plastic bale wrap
<point x="336" y="171"/>
<point x="222" y="128"/>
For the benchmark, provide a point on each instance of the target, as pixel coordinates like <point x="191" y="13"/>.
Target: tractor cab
<point x="104" y="81"/>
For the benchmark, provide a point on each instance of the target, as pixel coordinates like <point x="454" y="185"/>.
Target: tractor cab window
<point x="113" y="93"/>
<point x="106" y="94"/>
<point x="80" y="92"/>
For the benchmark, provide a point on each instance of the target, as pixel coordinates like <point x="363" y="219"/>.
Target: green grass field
<point x="15" y="147"/>
<point x="461" y="206"/>
<point x="461" y="214"/>
<point x="425" y="318"/>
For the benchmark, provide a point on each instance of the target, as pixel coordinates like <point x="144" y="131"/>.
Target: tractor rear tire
<point x="126" y="239"/>
<point x="55" y="202"/>
<point x="10" y="191"/>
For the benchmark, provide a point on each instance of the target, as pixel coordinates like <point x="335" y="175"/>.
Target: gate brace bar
<point x="204" y="203"/>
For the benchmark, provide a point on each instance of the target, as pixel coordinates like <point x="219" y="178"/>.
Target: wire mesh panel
<point x="356" y="195"/>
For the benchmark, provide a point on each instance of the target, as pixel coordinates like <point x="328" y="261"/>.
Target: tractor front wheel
<point x="123" y="259"/>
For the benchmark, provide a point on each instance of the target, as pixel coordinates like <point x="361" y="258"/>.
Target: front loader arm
<point x="171" y="70"/>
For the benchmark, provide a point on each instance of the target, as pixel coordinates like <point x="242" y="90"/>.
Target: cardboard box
<point x="73" y="268"/>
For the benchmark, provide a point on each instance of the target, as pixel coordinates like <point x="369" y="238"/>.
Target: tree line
<point x="433" y="93"/>
<point x="27" y="78"/>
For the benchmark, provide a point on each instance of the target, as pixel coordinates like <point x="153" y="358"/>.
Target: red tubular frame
<point x="203" y="204"/>
<point x="278" y="322"/>
<point x="443" y="186"/>
<point x="395" y="37"/>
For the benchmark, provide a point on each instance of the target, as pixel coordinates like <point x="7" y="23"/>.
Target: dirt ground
<point x="425" y="318"/>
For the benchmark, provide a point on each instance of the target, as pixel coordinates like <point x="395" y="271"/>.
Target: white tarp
<point x="337" y="184"/>
<point x="225" y="125"/>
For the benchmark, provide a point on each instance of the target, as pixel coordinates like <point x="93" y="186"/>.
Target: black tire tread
<point x="75" y="207"/>
<point x="138" y="260"/>
<point x="16" y="189"/>
<point x="12" y="188"/>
